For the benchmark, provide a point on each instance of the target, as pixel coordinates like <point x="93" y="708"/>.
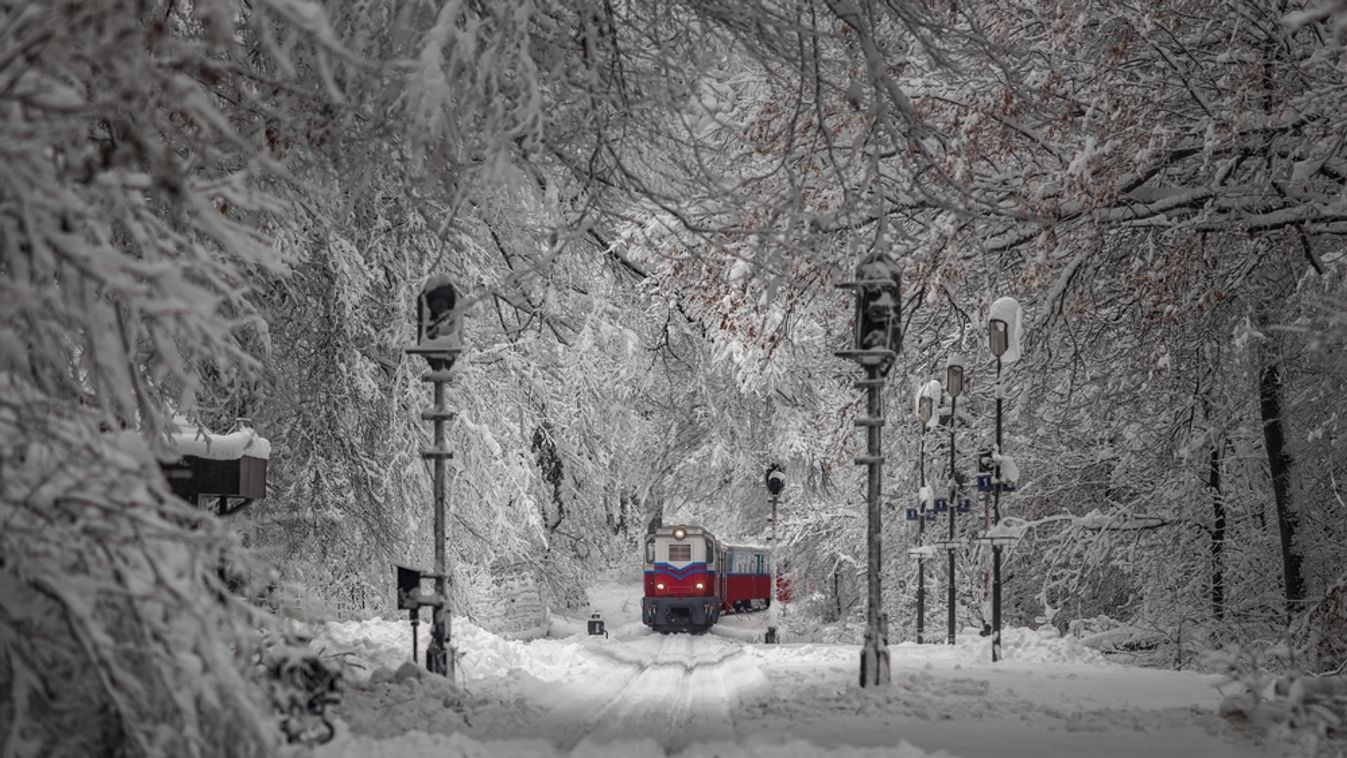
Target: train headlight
<point x="680" y="533"/>
<point x="659" y="585"/>
<point x="701" y="586"/>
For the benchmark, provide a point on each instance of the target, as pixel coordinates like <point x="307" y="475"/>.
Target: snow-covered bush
<point x="117" y="630"/>
<point x="1305" y="712"/>
<point x="137" y="182"/>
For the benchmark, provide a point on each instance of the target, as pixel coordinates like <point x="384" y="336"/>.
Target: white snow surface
<point x="191" y="439"/>
<point x="637" y="693"/>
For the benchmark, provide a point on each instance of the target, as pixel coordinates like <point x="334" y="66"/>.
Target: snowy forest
<point x="214" y="210"/>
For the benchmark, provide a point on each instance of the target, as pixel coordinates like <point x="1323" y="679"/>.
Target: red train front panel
<point x="683" y="583"/>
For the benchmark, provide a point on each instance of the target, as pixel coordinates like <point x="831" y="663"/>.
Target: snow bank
<point x="1046" y="645"/>
<point x="373" y="644"/>
<point x="1018" y="645"/>
<point x="805" y="654"/>
<point x="392" y="703"/>
<point x="368" y="645"/>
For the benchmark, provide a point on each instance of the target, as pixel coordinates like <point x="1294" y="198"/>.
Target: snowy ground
<point x="643" y="694"/>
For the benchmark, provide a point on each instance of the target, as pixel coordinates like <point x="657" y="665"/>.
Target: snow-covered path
<point x="655" y="695"/>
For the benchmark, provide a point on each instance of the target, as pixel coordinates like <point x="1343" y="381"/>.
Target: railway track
<point x="686" y="690"/>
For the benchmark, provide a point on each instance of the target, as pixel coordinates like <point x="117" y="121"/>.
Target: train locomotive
<point x="691" y="578"/>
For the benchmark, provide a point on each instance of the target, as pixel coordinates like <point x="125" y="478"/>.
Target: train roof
<point x="667" y="531"/>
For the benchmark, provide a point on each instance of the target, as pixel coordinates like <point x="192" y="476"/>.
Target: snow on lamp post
<point x="1003" y="338"/>
<point x="776" y="481"/>
<point x="954" y="386"/>
<point x="439" y="340"/>
<point x="927" y="398"/>
<point x="876" y="342"/>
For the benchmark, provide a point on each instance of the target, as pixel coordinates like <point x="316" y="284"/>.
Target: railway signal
<point x="875" y="345"/>
<point x="439" y="316"/>
<point x="439" y="321"/>
<point x="776" y="482"/>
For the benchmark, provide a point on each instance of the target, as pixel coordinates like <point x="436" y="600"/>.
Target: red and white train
<point x="691" y="578"/>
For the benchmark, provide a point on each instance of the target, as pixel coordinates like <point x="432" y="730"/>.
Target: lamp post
<point x="877" y="339"/>
<point x="1003" y="341"/>
<point x="776" y="481"/>
<point x="439" y="341"/>
<point x="925" y="406"/>
<point x="953" y="385"/>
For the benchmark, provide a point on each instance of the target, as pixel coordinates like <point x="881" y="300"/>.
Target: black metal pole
<point x="438" y="658"/>
<point x="875" y="650"/>
<point x="996" y="516"/>
<point x="921" y="534"/>
<point x="953" y="508"/>
<point x="771" y="554"/>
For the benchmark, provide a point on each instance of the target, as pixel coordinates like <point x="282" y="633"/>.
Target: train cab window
<point x="650" y="551"/>
<point x="710" y="554"/>
<point x="680" y="553"/>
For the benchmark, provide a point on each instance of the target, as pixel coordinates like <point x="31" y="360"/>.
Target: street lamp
<point x="876" y="342"/>
<point x="1003" y="327"/>
<point x="776" y="481"/>
<point x="954" y="386"/>
<point x="926" y="400"/>
<point x="439" y="340"/>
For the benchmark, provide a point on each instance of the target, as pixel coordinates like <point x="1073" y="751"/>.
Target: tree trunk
<point x="1217" y="531"/>
<point x="1279" y="463"/>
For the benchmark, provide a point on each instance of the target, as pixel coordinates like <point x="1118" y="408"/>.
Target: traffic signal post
<point x="776" y="481"/>
<point x="439" y="341"/>
<point x="877" y="340"/>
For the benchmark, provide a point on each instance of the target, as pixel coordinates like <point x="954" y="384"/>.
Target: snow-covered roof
<point x="194" y="439"/>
